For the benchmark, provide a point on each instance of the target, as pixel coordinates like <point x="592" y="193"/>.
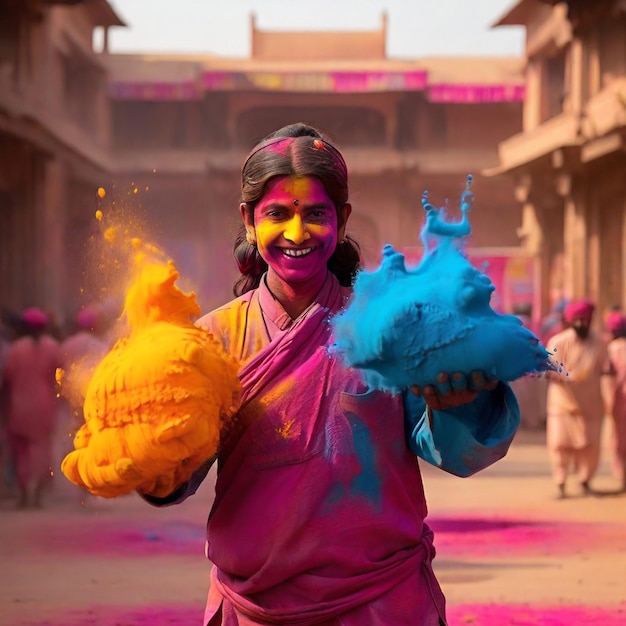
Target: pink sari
<point x="319" y="507"/>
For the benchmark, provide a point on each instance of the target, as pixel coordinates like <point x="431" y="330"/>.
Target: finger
<point x="443" y="383"/>
<point x="477" y="380"/>
<point x="430" y="391"/>
<point x="459" y="382"/>
<point x="415" y="389"/>
<point x="491" y="383"/>
<point x="432" y="397"/>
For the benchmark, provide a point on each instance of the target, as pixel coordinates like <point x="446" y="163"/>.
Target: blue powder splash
<point x="406" y="325"/>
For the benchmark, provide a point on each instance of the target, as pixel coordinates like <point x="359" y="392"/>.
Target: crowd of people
<point x="583" y="404"/>
<point x="37" y="422"/>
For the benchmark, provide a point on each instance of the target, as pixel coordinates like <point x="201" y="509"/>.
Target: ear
<point x="248" y="221"/>
<point x="342" y="219"/>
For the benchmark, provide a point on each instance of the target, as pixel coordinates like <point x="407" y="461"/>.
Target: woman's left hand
<point x="452" y="390"/>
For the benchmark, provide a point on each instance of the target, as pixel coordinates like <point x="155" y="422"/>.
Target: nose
<point x="295" y="230"/>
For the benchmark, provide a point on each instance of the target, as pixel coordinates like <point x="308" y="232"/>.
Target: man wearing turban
<point x="575" y="407"/>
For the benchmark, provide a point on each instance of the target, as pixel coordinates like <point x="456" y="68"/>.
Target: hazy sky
<point x="416" y="28"/>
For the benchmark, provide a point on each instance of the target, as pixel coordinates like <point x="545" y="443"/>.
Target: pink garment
<point x="617" y="356"/>
<point x="29" y="373"/>
<point x="319" y="506"/>
<point x="574" y="405"/>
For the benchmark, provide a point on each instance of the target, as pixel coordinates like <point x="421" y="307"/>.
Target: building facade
<point x="182" y="126"/>
<point x="568" y="162"/>
<point x="54" y="146"/>
<point x="165" y="136"/>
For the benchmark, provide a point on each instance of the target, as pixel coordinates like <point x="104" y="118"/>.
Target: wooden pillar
<point x="577" y="76"/>
<point x="52" y="219"/>
<point x="532" y="103"/>
<point x="533" y="238"/>
<point x="575" y="237"/>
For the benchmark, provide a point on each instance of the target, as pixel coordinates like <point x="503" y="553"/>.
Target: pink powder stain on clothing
<point x="461" y="615"/>
<point x="489" y="538"/>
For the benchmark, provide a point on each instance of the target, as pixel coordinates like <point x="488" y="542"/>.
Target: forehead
<point x="303" y="188"/>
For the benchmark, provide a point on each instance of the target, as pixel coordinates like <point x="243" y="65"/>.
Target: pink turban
<point x="579" y="309"/>
<point x="615" y="322"/>
<point x="35" y="318"/>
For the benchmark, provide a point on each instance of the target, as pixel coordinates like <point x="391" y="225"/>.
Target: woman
<point x="319" y="509"/>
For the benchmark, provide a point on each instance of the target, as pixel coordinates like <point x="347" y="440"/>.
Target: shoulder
<point x="221" y="319"/>
<point x="562" y="337"/>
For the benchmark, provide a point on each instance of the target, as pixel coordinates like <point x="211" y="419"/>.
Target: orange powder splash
<point x="157" y="402"/>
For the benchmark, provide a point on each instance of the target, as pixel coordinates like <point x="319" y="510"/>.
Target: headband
<point x="318" y="143"/>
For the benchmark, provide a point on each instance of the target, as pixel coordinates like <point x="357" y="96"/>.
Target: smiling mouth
<point x="291" y="252"/>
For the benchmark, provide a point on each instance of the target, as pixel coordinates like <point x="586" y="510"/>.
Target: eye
<point x="275" y="213"/>
<point x="319" y="214"/>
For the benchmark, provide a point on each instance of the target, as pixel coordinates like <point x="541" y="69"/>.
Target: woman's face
<point x="296" y="228"/>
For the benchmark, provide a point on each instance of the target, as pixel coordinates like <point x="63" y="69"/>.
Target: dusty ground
<point x="508" y="553"/>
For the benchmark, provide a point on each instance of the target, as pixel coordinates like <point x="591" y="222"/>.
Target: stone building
<point x="165" y="136"/>
<point x="182" y="126"/>
<point x="569" y="161"/>
<point x="54" y="146"/>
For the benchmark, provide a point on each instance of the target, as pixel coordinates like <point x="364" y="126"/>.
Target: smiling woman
<point x="319" y="514"/>
<point x="295" y="182"/>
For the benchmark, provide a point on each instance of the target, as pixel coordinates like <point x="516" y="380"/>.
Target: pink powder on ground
<point x="115" y="539"/>
<point x="461" y="615"/>
<point x="523" y="615"/>
<point x="482" y="537"/>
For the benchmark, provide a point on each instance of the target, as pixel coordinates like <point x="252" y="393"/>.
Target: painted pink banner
<point x="476" y="93"/>
<point x="187" y="90"/>
<point x="334" y="82"/>
<point x="513" y="276"/>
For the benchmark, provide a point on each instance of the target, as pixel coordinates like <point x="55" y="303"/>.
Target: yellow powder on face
<point x="157" y="402"/>
<point x="298" y="186"/>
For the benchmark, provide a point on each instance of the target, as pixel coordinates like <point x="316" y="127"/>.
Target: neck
<point x="295" y="298"/>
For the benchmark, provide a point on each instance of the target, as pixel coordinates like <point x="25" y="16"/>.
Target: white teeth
<point x="290" y="252"/>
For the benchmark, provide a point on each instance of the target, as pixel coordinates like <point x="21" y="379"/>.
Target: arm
<point x="463" y="439"/>
<point x="182" y="492"/>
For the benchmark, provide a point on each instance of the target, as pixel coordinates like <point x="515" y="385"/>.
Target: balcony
<point x="524" y="148"/>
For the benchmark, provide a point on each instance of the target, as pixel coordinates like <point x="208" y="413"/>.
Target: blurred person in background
<point x="80" y="352"/>
<point x="553" y="322"/>
<point x="530" y="390"/>
<point x="5" y="459"/>
<point x="615" y="323"/>
<point x="575" y="407"/>
<point x="32" y="405"/>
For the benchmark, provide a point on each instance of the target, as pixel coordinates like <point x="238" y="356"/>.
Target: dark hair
<point x="301" y="150"/>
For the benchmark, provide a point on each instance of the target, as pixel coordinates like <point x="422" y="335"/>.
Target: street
<point x="509" y="553"/>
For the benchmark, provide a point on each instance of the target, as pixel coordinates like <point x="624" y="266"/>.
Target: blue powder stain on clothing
<point x="406" y="325"/>
<point x="367" y="483"/>
<point x="361" y="479"/>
